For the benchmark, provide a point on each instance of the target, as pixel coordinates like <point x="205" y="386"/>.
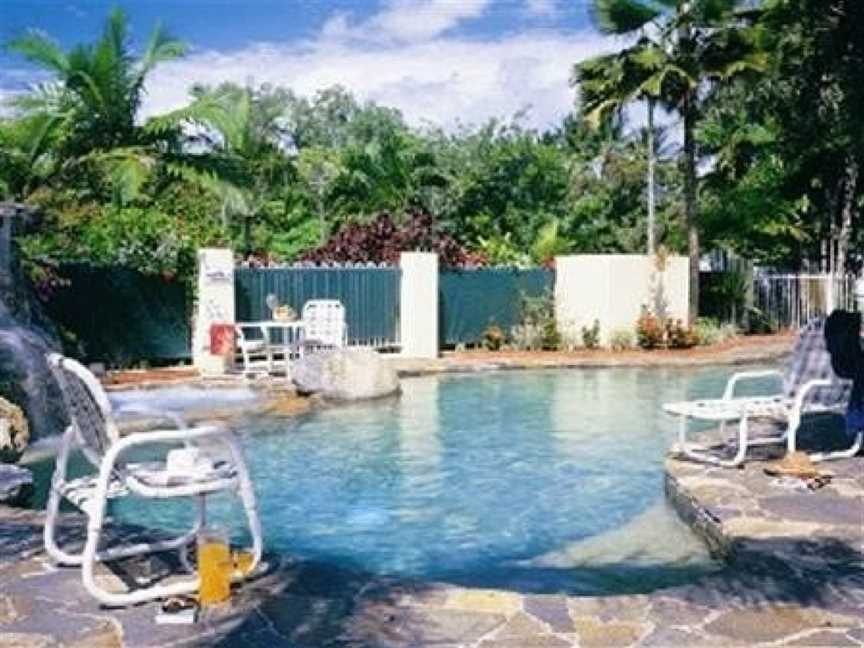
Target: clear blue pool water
<point x="541" y="481"/>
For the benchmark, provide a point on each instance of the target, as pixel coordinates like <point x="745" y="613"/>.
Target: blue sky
<point x="441" y="62"/>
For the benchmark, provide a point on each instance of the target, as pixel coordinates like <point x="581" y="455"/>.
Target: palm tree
<point x="104" y="80"/>
<point x="699" y="43"/>
<point x="244" y="135"/>
<point x="88" y="111"/>
<point x="608" y="83"/>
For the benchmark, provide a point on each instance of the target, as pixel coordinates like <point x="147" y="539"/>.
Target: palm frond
<point x="161" y="47"/>
<point x="38" y="48"/>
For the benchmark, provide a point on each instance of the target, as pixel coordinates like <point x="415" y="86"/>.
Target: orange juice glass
<point x="214" y="567"/>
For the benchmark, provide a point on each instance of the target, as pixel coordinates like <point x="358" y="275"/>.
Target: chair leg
<point x="52" y="510"/>
<point x="246" y="491"/>
<point x="91" y="556"/>
<point x="705" y="457"/>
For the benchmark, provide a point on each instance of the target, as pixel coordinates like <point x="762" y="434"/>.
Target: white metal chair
<point x="253" y="349"/>
<point x="324" y="324"/>
<point x="809" y="387"/>
<point x="93" y="429"/>
<point x="264" y="352"/>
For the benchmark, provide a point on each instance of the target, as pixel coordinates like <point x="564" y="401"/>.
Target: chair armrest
<point x="146" y="410"/>
<point x="158" y="437"/>
<point x="729" y="392"/>
<point x="109" y="461"/>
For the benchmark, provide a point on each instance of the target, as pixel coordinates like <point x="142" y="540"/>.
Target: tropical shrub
<point x="679" y="336"/>
<point x="621" y="339"/>
<point x="537" y="322"/>
<point x="708" y="331"/>
<point x="493" y="337"/>
<point x="382" y="239"/>
<point x="527" y="337"/>
<point x="591" y="335"/>
<point x="502" y="251"/>
<point x="147" y="239"/>
<point x="650" y="333"/>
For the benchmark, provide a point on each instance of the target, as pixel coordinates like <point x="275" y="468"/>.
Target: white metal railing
<point x="791" y="300"/>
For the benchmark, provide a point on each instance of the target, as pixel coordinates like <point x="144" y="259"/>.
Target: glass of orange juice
<point x="214" y="566"/>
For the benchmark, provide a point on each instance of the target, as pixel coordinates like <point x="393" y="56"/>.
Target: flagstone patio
<point x="795" y="577"/>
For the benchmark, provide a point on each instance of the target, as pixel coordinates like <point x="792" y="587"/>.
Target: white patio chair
<point x="324" y="324"/>
<point x="809" y="387"/>
<point x="253" y="350"/>
<point x="93" y="429"/>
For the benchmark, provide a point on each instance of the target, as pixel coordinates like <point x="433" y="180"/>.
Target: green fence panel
<point x="370" y="297"/>
<point x="471" y="300"/>
<point x="120" y="316"/>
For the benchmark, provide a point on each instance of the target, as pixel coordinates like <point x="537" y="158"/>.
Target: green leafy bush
<point x="493" y="337"/>
<point x="621" y="339"/>
<point x="537" y="328"/>
<point x="591" y="335"/>
<point x="708" y="331"/>
<point x="679" y="336"/>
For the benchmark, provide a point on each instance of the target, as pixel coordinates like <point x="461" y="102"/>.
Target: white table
<point x="291" y="339"/>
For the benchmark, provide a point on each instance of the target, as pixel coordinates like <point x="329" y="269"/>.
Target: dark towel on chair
<point x="843" y="339"/>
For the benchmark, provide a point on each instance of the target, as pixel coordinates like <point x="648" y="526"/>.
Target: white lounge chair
<point x="324" y="324"/>
<point x="93" y="429"/>
<point x="809" y="387"/>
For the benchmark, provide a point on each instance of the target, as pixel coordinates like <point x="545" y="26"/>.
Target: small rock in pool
<point x="16" y="484"/>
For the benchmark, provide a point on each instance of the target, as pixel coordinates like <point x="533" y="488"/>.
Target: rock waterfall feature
<point x="26" y="335"/>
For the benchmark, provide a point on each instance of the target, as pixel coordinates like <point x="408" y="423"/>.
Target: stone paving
<point x="752" y="349"/>
<point x="795" y="577"/>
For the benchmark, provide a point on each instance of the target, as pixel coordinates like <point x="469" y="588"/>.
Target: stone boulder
<point x="345" y="374"/>
<point x="26" y="380"/>
<point x="26" y="335"/>
<point x="16" y="484"/>
<point x="14" y="432"/>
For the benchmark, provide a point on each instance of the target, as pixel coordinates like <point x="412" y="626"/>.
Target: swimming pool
<point x="544" y="481"/>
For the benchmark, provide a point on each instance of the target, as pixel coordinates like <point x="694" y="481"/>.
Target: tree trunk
<point x="846" y="216"/>
<point x="322" y="221"/>
<point x="691" y="216"/>
<point x="247" y="234"/>
<point x="651" y="164"/>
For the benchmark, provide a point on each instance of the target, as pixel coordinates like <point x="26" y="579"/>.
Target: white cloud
<point x="442" y="80"/>
<point x="542" y="8"/>
<point x="407" y="20"/>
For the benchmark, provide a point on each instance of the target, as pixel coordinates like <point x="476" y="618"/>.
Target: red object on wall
<point x="222" y="339"/>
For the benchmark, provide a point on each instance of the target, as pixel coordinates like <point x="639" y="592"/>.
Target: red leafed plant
<point x="382" y="239"/>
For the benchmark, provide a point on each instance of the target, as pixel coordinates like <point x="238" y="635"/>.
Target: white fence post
<point x="214" y="304"/>
<point x="418" y="319"/>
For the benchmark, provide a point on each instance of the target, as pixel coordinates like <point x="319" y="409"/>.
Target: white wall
<point x="612" y="288"/>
